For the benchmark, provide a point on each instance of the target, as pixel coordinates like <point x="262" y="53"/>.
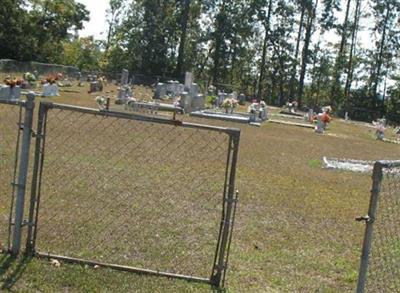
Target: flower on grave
<point x="177" y="102"/>
<point x="29" y="77"/>
<point x="229" y="103"/>
<point x="12" y="82"/>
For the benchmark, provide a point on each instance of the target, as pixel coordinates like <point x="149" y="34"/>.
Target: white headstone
<point x="320" y="128"/>
<point x="194" y="89"/>
<point x="186" y="102"/>
<point x="47" y="90"/>
<point x="310" y="115"/>
<point x="188" y="80"/>
<point x="54" y="89"/>
<point x="124" y="77"/>
<point x="10" y="93"/>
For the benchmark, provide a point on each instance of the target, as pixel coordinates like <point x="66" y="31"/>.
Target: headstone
<point x="47" y="90"/>
<point x="188" y="80"/>
<point x="198" y="103"/>
<point x="124" y="77"/>
<point x="50" y="90"/>
<point x="221" y="98"/>
<point x="10" y="93"/>
<point x="54" y="89"/>
<point x="186" y="102"/>
<point x="96" y="86"/>
<point x="124" y="94"/>
<point x="346" y="116"/>
<point x="320" y="128"/>
<point x="310" y="115"/>
<point x="160" y="91"/>
<point x="233" y="95"/>
<point x="194" y="89"/>
<point x="242" y="99"/>
<point x="142" y="107"/>
<point x="172" y="88"/>
<point x="253" y="117"/>
<point x="263" y="111"/>
<point x="181" y="89"/>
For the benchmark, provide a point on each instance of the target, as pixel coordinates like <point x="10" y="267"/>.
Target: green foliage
<point x="266" y="48"/>
<point x="393" y="104"/>
<point x="211" y="100"/>
<point x="83" y="53"/>
<point x="37" y="33"/>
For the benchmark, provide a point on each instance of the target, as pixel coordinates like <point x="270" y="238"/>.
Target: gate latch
<point x="365" y="218"/>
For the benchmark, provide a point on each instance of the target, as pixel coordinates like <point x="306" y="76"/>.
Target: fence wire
<point x="131" y="192"/>
<point x="383" y="273"/>
<point x="12" y="66"/>
<point x="10" y="119"/>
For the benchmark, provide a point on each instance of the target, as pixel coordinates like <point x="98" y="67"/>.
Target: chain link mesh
<point x="10" y="118"/>
<point x="9" y="66"/>
<point x="384" y="259"/>
<point x="131" y="192"/>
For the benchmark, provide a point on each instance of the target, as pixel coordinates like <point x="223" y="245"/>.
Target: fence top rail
<point x="389" y="164"/>
<point x="12" y="102"/>
<point x="129" y="116"/>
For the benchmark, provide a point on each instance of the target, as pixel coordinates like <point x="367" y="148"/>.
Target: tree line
<point x="344" y="53"/>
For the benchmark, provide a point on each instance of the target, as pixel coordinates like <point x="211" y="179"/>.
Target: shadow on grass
<point x="11" y="269"/>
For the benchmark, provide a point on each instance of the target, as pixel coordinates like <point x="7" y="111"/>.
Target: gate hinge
<point x="365" y="218"/>
<point x="14" y="184"/>
<point x="36" y="135"/>
<point x="24" y="223"/>
<point x="230" y="200"/>
<point x="27" y="223"/>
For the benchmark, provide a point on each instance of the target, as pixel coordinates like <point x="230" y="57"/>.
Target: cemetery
<point x="315" y="165"/>
<point x="200" y="146"/>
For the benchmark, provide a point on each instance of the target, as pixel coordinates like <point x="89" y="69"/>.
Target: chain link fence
<point x="380" y="263"/>
<point x="122" y="190"/>
<point x="9" y="66"/>
<point x="10" y="122"/>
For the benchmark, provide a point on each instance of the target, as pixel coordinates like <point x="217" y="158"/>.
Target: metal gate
<point x="135" y="193"/>
<point x="15" y="135"/>
<point x="380" y="260"/>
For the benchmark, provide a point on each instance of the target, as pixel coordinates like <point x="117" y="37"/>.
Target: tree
<point x="182" y="43"/>
<point x="266" y="21"/>
<point x="311" y="15"/>
<point x="114" y="13"/>
<point x="83" y="53"/>
<point x="17" y="41"/>
<point x="293" y="80"/>
<point x="340" y="58"/>
<point x="386" y="15"/>
<point x="53" y="21"/>
<point x="350" y="64"/>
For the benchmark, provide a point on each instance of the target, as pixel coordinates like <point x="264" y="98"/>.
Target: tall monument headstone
<point x="124" y="77"/>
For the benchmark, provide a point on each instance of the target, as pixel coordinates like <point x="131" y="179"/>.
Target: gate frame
<point x="22" y="156"/>
<point x="228" y="207"/>
<point x="377" y="177"/>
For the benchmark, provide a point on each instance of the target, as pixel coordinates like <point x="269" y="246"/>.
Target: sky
<point x="97" y="25"/>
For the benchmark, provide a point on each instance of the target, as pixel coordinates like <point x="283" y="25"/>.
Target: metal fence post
<point x="229" y="200"/>
<point x="22" y="173"/>
<point x="38" y="162"/>
<point x="369" y="219"/>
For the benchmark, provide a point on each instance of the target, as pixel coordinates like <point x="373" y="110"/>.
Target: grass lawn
<point x="294" y="230"/>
